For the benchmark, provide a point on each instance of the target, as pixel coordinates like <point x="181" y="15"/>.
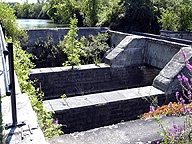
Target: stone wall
<point x="116" y="37"/>
<point x="95" y="110"/>
<point x="40" y="35"/>
<point x="90" y="79"/>
<point x="167" y="80"/>
<point x="177" y="34"/>
<point x="140" y="50"/>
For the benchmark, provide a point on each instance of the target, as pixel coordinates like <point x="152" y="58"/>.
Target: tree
<point x="111" y="13"/>
<point x="90" y="10"/>
<point x="139" y="16"/>
<point x="177" y="16"/>
<point x="71" y="45"/>
<point x="8" y="19"/>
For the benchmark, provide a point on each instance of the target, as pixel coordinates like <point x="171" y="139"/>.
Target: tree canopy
<point x="123" y="15"/>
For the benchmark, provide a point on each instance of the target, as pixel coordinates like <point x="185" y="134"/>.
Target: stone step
<point x="86" y="112"/>
<point x="130" y="132"/>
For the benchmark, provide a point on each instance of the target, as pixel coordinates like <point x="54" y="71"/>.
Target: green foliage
<point x="8" y="20"/>
<point x="71" y="45"/>
<point x="139" y="16"/>
<point x="111" y="13"/>
<point x="62" y="12"/>
<point x="23" y="65"/>
<point x="90" y="11"/>
<point x="48" y="54"/>
<point x="177" y="16"/>
<point x="95" y="48"/>
<point x="169" y="20"/>
<point x="27" y="10"/>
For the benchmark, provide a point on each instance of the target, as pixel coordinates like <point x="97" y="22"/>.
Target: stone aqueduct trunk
<point x="131" y="52"/>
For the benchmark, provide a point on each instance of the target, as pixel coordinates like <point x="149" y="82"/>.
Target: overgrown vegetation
<point x="72" y="50"/>
<point x="8" y="19"/>
<point x="23" y="64"/>
<point x="176" y="15"/>
<point x="47" y="54"/>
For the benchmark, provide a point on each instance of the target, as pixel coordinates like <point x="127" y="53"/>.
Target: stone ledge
<point x="86" y="112"/>
<point x="100" y="98"/>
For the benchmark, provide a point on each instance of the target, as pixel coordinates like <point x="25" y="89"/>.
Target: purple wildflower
<point x="182" y="110"/>
<point x="179" y="77"/>
<point x="182" y="100"/>
<point x="187" y="108"/>
<point x="174" y="126"/>
<point x="185" y="79"/>
<point x="152" y="109"/>
<point x="189" y="94"/>
<point x="183" y="53"/>
<point x="56" y="122"/>
<point x="177" y="94"/>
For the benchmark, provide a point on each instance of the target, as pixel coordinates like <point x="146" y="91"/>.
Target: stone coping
<point x="100" y="98"/>
<point x="67" y="28"/>
<point x="67" y="68"/>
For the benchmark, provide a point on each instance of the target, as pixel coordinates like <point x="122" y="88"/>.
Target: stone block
<point x="79" y="101"/>
<point x="96" y="99"/>
<point x="112" y="96"/>
<point x="128" y="52"/>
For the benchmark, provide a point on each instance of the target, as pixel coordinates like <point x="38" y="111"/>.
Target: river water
<point x="37" y="23"/>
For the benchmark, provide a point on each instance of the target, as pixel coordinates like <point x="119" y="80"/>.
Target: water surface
<point x="37" y="23"/>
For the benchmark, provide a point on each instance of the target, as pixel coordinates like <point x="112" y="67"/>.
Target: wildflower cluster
<point x="180" y="134"/>
<point x="172" y="109"/>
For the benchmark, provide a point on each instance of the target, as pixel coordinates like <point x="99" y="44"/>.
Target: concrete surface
<point x="131" y="132"/>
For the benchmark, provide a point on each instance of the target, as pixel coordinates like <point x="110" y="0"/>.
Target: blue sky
<point x="20" y="1"/>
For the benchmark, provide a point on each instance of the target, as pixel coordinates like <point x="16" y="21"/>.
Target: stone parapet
<point x="167" y="79"/>
<point x="86" y="79"/>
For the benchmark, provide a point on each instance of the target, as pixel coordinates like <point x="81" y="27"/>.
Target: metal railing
<point x="8" y="71"/>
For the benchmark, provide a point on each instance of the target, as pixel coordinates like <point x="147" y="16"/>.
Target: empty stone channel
<point x="106" y="94"/>
<point x="88" y="104"/>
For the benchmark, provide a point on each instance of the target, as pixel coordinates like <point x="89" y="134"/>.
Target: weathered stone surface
<point x="116" y="37"/>
<point x="89" y="111"/>
<point x="137" y="50"/>
<point x="167" y="78"/>
<point x="41" y="35"/>
<point x="177" y="34"/>
<point x="131" y="132"/>
<point x="24" y="113"/>
<point x="87" y="79"/>
<point x="127" y="53"/>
